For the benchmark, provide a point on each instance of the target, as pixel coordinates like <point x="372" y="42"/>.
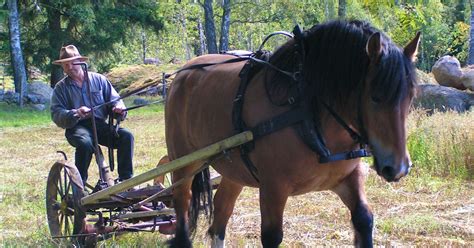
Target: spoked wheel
<point x="64" y="190"/>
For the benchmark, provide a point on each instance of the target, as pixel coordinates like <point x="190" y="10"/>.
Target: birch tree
<point x="225" y="26"/>
<point x="17" y="62"/>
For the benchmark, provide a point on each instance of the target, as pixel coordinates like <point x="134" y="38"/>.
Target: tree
<point x="341" y="11"/>
<point x="95" y="27"/>
<point x="225" y="26"/>
<point x="18" y="64"/>
<point x="209" y="27"/>
<point x="470" y="59"/>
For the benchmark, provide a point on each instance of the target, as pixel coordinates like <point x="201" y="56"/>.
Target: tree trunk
<point x="470" y="59"/>
<point x="182" y="19"/>
<point x="144" y="45"/>
<point x="209" y="27"/>
<point x="56" y="41"/>
<point x="341" y="12"/>
<point x="18" y="64"/>
<point x="329" y="9"/>
<point x="225" y="26"/>
<point x="202" y="40"/>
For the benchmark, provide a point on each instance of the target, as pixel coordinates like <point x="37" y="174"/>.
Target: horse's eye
<point x="376" y="99"/>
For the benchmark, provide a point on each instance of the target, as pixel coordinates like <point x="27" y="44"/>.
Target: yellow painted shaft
<point x="178" y="163"/>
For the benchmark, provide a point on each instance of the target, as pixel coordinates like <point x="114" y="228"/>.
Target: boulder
<point x="38" y="107"/>
<point x="38" y="92"/>
<point x="140" y="101"/>
<point x="11" y="97"/>
<point x="447" y="72"/>
<point x="467" y="78"/>
<point x="152" y="61"/>
<point x="441" y="98"/>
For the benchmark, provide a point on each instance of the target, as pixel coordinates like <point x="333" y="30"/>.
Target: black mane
<point x="335" y="66"/>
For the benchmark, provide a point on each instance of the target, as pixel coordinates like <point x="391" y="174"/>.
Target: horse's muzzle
<point x="390" y="170"/>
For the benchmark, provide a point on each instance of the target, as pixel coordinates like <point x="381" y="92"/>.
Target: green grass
<point x="13" y="116"/>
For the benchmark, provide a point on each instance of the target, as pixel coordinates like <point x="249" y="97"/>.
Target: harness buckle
<point x="296" y="76"/>
<point x="291" y="100"/>
<point x="238" y="98"/>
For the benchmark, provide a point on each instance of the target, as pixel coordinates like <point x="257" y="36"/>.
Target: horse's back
<point x="198" y="110"/>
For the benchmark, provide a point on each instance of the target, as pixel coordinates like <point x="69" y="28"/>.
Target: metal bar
<point x="168" y="189"/>
<point x="104" y="170"/>
<point x="178" y="163"/>
<point x="133" y="215"/>
<point x="148" y="224"/>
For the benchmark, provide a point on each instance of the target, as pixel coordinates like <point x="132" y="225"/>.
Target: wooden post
<point x="178" y="163"/>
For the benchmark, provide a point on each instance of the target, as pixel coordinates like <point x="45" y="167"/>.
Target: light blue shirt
<point x="67" y="97"/>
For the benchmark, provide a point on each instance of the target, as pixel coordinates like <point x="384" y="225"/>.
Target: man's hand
<point x="83" y="112"/>
<point x="119" y="110"/>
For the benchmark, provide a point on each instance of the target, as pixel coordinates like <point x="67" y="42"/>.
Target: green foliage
<point x="95" y="27"/>
<point x="114" y="32"/>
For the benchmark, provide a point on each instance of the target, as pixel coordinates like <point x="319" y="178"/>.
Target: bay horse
<point x="353" y="79"/>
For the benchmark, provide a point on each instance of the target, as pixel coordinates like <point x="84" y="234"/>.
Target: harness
<point x="299" y="116"/>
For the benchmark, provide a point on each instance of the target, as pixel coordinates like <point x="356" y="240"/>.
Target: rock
<point x="11" y="97"/>
<point x="447" y="72"/>
<point x="38" y="92"/>
<point x="441" y="98"/>
<point x="152" y="61"/>
<point x="467" y="78"/>
<point x="140" y="101"/>
<point x="35" y="99"/>
<point x="38" y="107"/>
<point x="34" y="72"/>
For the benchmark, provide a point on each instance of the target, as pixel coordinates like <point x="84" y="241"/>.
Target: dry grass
<point x="128" y="78"/>
<point x="426" y="209"/>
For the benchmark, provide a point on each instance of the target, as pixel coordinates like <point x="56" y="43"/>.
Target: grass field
<point x="432" y="207"/>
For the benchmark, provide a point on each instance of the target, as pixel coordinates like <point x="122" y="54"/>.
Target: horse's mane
<point x="336" y="64"/>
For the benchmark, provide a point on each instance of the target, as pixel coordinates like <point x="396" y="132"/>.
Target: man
<point x="71" y="110"/>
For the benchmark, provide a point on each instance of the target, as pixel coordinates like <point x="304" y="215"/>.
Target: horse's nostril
<point x="388" y="173"/>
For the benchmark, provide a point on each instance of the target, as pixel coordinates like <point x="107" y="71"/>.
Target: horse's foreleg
<point x="224" y="202"/>
<point x="352" y="193"/>
<point x="181" y="200"/>
<point x="273" y="198"/>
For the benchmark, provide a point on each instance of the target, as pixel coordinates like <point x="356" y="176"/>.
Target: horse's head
<point x="385" y="101"/>
<point x="363" y="76"/>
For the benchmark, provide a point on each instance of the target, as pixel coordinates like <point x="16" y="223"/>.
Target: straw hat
<point x="68" y="53"/>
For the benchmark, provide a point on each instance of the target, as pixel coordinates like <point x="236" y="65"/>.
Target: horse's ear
<point x="374" y="46"/>
<point x="411" y="50"/>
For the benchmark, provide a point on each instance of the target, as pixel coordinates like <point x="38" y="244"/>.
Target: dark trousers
<point x="80" y="136"/>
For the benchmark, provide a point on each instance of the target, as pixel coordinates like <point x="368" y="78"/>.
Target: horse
<point x="352" y="80"/>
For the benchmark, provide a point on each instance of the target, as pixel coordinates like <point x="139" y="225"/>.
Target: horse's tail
<point x="201" y="198"/>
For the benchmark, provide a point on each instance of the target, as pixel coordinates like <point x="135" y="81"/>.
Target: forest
<point x="118" y="32"/>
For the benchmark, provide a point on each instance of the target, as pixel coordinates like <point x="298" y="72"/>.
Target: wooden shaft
<point x="178" y="163"/>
